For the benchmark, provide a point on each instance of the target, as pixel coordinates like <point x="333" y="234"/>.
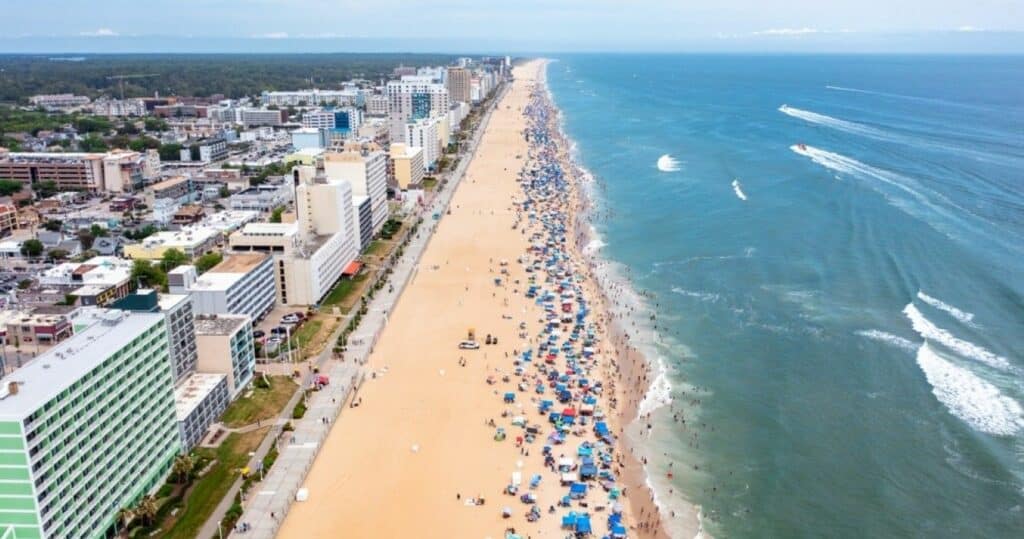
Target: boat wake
<point x="977" y="402"/>
<point x="855" y="128"/>
<point x="836" y="123"/>
<point x="963" y="316"/>
<point x="913" y="198"/>
<point x="738" y="190"/>
<point x="667" y="163"/>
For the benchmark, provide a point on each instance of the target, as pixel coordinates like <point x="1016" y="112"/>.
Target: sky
<point x="518" y="25"/>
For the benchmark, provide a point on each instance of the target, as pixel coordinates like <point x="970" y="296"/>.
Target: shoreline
<point x="633" y="369"/>
<point x="426" y="437"/>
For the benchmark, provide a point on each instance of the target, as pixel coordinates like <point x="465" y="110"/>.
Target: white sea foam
<point x="703" y="296"/>
<point x="667" y="163"/>
<point x="596" y="242"/>
<point x="736" y="188"/>
<point x="962" y="316"/>
<point x="931" y="332"/>
<point x="970" y="398"/>
<point x="889" y="338"/>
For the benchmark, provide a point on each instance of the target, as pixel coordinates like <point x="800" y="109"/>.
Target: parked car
<point x="290" y="319"/>
<point x="279" y="330"/>
<point x="258" y="333"/>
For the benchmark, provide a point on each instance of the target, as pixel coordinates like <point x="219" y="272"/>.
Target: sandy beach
<point x="407" y="460"/>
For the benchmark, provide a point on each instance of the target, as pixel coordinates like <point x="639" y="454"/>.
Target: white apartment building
<point x="425" y="134"/>
<point x="199" y="400"/>
<point x="226" y="347"/>
<point x="243" y="283"/>
<point x="304" y="268"/>
<point x="119" y="107"/>
<point x="318" y="119"/>
<point x="365" y="167"/>
<point x="377" y="105"/>
<point x="312" y="97"/>
<point x="413" y="98"/>
<point x="251" y="117"/>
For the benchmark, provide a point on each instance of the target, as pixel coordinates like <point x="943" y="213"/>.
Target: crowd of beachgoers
<point x="559" y="389"/>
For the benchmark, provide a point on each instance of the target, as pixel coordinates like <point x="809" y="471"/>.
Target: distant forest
<point x="234" y="75"/>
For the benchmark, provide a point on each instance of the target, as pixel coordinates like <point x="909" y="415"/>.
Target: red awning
<point x="352" y="268"/>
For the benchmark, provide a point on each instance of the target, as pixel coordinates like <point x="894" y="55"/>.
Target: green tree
<point x="171" y="259"/>
<point x="92" y="143"/>
<point x="53" y="225"/>
<point x="86" y="238"/>
<point x="142" y="144"/>
<point x="10" y="187"/>
<point x="147" y="509"/>
<point x="275" y="216"/>
<point x="128" y="128"/>
<point x="148" y="275"/>
<point x="45" y="189"/>
<point x="170" y="152"/>
<point x="92" y="124"/>
<point x="58" y="254"/>
<point x="140" y="234"/>
<point x="98" y="232"/>
<point x="32" y="248"/>
<point x="155" y="124"/>
<point x="207" y="261"/>
<point x="183" y="467"/>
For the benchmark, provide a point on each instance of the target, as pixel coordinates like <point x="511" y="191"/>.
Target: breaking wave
<point x="977" y="402"/>
<point x="889" y="338"/>
<point x="667" y="163"/>
<point x="962" y="316"/>
<point x="703" y="296"/>
<point x="738" y="190"/>
<point x="931" y="332"/>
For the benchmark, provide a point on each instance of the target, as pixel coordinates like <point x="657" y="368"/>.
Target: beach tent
<point x="583" y="524"/>
<point x="510" y="397"/>
<point x="578" y="490"/>
<point x="569" y="521"/>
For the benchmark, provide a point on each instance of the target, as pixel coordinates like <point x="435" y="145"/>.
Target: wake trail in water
<point x="975" y="401"/>
<point x="902" y="96"/>
<point x="855" y="128"/>
<point x="931" y="332"/>
<point x="916" y="200"/>
<point x="736" y="188"/>
<point x="842" y="125"/>
<point x="963" y="316"/>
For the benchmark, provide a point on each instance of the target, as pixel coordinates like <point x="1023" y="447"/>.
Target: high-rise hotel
<point x="87" y="428"/>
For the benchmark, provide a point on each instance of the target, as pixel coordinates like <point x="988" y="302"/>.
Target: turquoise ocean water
<point x="833" y="251"/>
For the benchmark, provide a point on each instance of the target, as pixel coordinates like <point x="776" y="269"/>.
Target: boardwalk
<point x="270" y="500"/>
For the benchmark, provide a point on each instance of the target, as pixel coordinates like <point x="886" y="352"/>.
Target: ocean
<point x="829" y="258"/>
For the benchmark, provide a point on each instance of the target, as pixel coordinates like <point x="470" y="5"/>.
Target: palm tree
<point x="147" y="509"/>
<point x="125" y="516"/>
<point x="183" y="466"/>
